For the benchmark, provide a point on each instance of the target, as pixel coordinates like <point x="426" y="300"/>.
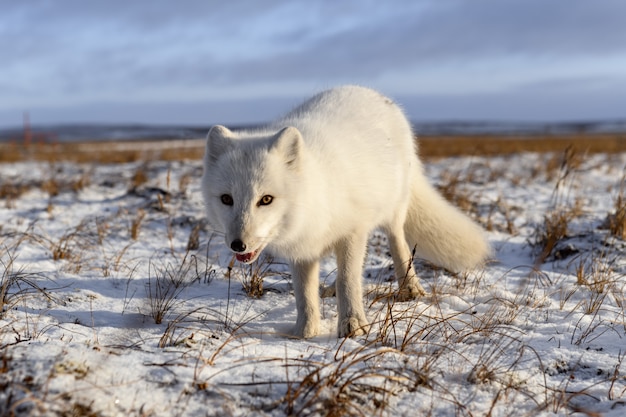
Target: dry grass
<point x="135" y="224"/>
<point x="436" y="146"/>
<point x="564" y="207"/>
<point x="429" y="347"/>
<point x="353" y="384"/>
<point x="166" y="283"/>
<point x="488" y="145"/>
<point x="616" y="221"/>
<point x="10" y="191"/>
<point x="16" y="284"/>
<point x="252" y="276"/>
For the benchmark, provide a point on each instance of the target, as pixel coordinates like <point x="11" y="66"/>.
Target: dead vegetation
<point x="435" y="146"/>
<point x="466" y="349"/>
<point x="16" y="283"/>
<point x="616" y="221"/>
<point x="564" y="207"/>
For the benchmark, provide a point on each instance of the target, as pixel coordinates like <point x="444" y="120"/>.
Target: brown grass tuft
<point x="9" y="192"/>
<point x="563" y="209"/>
<point x="252" y="276"/>
<point x="135" y="225"/>
<point x="616" y="222"/>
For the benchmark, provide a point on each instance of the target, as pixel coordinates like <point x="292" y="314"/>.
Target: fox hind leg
<point x="409" y="287"/>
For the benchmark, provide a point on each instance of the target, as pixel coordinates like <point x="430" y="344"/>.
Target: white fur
<point x="346" y="164"/>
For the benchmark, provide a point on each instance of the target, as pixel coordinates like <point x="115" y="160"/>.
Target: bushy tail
<point x="440" y="232"/>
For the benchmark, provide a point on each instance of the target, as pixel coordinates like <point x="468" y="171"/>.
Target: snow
<point x="137" y="317"/>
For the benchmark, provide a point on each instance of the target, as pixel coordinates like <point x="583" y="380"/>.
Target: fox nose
<point x="237" y="245"/>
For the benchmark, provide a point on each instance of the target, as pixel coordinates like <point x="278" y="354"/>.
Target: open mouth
<point x="247" y="258"/>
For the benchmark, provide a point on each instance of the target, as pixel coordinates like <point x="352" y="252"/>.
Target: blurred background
<point x="118" y="69"/>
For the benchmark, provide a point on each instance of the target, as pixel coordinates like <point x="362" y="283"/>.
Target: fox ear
<point x="218" y="141"/>
<point x="289" y="143"/>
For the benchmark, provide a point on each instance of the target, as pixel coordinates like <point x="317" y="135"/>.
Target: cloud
<point x="452" y="33"/>
<point x="531" y="27"/>
<point x="70" y="52"/>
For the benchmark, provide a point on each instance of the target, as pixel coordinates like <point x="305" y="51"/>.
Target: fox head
<point x="249" y="185"/>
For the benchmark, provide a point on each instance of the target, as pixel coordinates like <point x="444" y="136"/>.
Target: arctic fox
<point x="319" y="180"/>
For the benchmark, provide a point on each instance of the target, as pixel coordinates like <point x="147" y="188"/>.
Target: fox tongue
<point x="245" y="257"/>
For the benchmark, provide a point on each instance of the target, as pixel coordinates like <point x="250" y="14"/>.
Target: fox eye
<point x="227" y="199"/>
<point x="266" y="200"/>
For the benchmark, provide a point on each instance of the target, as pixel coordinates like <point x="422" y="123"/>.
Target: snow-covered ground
<point x="117" y="301"/>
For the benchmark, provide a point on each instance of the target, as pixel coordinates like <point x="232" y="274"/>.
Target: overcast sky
<point x="240" y="61"/>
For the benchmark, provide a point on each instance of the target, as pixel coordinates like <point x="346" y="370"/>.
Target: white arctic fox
<point x="320" y="180"/>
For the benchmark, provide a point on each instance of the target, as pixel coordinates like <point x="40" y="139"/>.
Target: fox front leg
<point x="350" y="255"/>
<point x="305" y="276"/>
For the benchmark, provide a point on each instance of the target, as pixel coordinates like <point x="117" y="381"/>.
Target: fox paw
<point x="352" y="326"/>
<point x="410" y="292"/>
<point x="306" y="330"/>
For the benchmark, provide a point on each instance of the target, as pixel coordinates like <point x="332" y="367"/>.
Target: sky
<point x="199" y="62"/>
